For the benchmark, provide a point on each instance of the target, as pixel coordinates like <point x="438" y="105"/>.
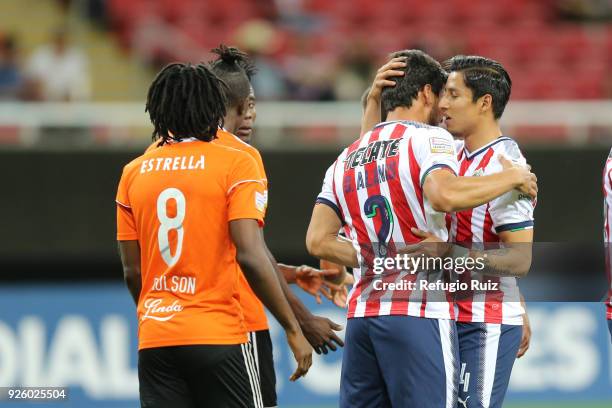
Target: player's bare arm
<point x="322" y="240"/>
<point x="514" y="259"/>
<point x="319" y="331"/>
<point x="255" y="263"/>
<point x="448" y="193"/>
<point x="130" y="259"/>
<point x="526" y="338"/>
<point x="372" y="112"/>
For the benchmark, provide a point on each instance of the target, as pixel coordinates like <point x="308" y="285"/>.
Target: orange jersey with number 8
<point x="177" y="201"/>
<point x="252" y="308"/>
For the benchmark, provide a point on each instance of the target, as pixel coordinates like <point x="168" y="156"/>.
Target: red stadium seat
<point x="126" y="11"/>
<point x="573" y="44"/>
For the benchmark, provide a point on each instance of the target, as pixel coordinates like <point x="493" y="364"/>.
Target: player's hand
<point x="339" y="295"/>
<point x="315" y="282"/>
<point x="383" y="75"/>
<point x="430" y="245"/>
<point x="302" y="352"/>
<point x="319" y="331"/>
<point x="524" y="346"/>
<point x="526" y="180"/>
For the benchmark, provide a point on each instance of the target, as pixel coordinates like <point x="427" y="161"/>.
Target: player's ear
<point x="485" y="103"/>
<point x="428" y="95"/>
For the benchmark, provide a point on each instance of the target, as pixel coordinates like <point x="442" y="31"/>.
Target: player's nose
<point x="443" y="103"/>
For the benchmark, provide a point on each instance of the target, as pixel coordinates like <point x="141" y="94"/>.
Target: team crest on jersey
<point x="261" y="200"/>
<point x="440" y="145"/>
<point x="478" y="173"/>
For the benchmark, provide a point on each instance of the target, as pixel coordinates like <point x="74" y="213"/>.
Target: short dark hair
<point x="483" y="76"/>
<point x="235" y="68"/>
<point x="186" y="100"/>
<point x="421" y="69"/>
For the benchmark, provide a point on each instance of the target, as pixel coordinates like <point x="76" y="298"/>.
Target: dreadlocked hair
<point x="236" y="69"/>
<point x="185" y="101"/>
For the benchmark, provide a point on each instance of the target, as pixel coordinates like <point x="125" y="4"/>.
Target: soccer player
<point x="313" y="281"/>
<point x="188" y="220"/>
<point x="607" y="189"/>
<point x="401" y="344"/>
<point x="235" y="69"/>
<point x="489" y="323"/>
<point x="245" y="129"/>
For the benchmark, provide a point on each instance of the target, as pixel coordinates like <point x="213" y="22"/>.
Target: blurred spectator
<point x="157" y="42"/>
<point x="260" y="39"/>
<point x="95" y="10"/>
<point x="356" y="71"/>
<point x="310" y="74"/>
<point x="11" y="79"/>
<point x="581" y="10"/>
<point x="58" y="71"/>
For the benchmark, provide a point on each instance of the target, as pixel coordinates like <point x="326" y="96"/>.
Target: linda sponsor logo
<point x="156" y="310"/>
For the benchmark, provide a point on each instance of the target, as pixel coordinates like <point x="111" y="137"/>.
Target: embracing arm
<point x="514" y="259"/>
<point x="448" y="193"/>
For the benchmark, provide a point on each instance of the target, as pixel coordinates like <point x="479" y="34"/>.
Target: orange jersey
<point x="252" y="308"/>
<point x="177" y="201"/>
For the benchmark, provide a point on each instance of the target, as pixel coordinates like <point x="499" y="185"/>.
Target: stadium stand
<point x="550" y="57"/>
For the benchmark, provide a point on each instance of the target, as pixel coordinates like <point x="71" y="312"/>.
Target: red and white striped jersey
<point x="508" y="212"/>
<point x="375" y="186"/>
<point x="607" y="190"/>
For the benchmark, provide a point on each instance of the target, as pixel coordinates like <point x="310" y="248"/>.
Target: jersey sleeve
<point x="514" y="210"/>
<point x="260" y="166"/>
<point x="327" y="196"/>
<point x="263" y="176"/>
<point x="433" y="151"/>
<point x="126" y="225"/>
<point x="246" y="198"/>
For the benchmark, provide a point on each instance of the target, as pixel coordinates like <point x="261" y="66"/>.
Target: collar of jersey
<point x="400" y="121"/>
<point x="483" y="148"/>
<point x="185" y="140"/>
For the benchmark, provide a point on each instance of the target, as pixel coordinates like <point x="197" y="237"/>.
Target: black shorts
<point x="215" y="376"/>
<point x="262" y="349"/>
